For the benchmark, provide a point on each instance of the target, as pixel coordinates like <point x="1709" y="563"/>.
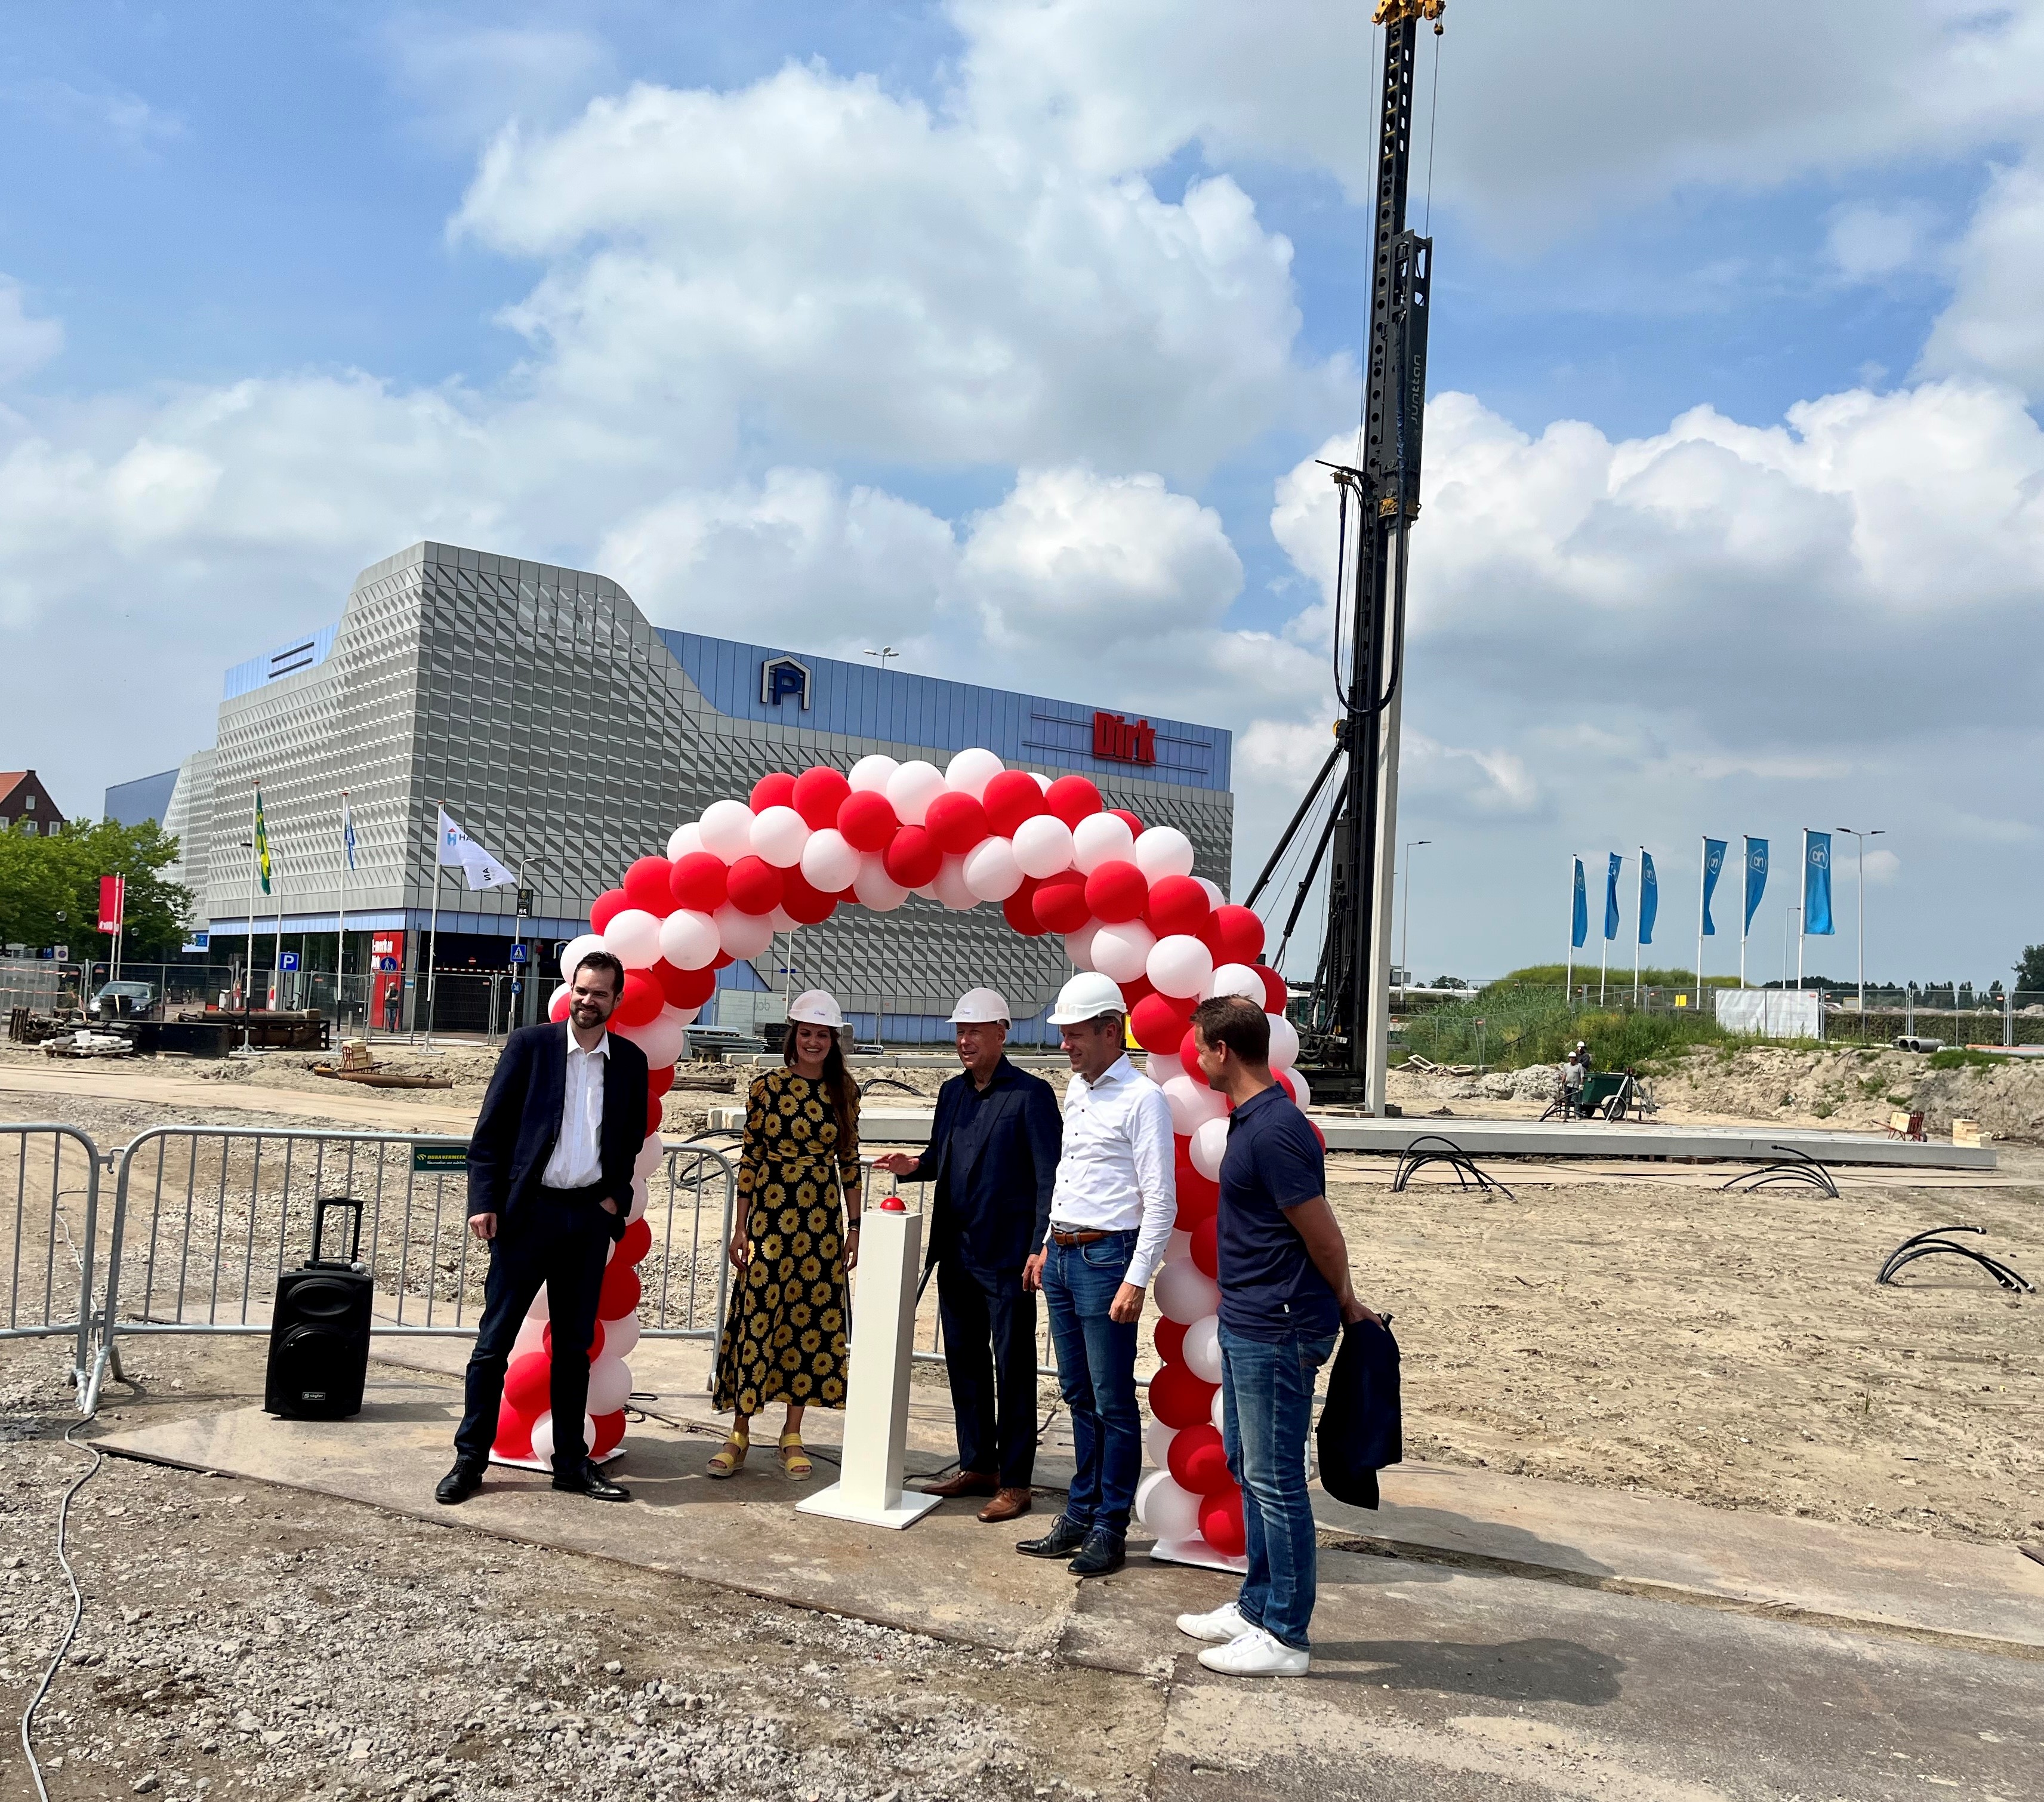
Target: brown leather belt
<point x="1060" y="1236"/>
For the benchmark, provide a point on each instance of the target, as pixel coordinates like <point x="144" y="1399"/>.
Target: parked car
<point x="123" y="1000"/>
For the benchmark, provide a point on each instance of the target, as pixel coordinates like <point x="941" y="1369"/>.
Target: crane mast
<point x="1347" y="1015"/>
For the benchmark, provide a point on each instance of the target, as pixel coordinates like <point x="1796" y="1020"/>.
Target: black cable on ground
<point x="76" y="1600"/>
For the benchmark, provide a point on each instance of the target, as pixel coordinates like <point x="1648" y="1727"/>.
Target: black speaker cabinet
<point x="319" y="1331"/>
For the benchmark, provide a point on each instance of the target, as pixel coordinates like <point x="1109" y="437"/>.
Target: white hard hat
<point x="1087" y="997"/>
<point x="981" y="1007"/>
<point x="816" y="1006"/>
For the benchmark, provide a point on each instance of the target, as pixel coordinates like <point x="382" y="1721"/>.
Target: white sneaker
<point x="1224" y="1624"/>
<point x="1253" y="1653"/>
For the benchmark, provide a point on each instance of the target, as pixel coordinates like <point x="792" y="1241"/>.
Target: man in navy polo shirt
<point x="1285" y="1292"/>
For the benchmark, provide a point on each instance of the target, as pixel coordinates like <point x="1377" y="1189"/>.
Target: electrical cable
<point x="1433" y="116"/>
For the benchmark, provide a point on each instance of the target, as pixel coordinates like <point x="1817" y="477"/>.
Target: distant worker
<point x="993" y="1156"/>
<point x="1574" y="1069"/>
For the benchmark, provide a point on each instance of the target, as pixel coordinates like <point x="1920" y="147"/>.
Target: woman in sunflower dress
<point x="795" y="1237"/>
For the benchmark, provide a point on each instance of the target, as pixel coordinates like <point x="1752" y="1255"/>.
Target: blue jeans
<point x="1097" y="1370"/>
<point x="1267" y="1408"/>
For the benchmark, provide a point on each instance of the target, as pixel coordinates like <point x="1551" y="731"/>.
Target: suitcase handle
<point x="319" y="1228"/>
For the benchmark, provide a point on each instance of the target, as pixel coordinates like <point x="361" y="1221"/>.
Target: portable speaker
<point x="319" y="1330"/>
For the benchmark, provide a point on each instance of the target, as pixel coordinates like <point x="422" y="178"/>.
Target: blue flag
<point x="1756" y="878"/>
<point x="1714" y="856"/>
<point x="1579" y="917"/>
<point x="348" y="830"/>
<point x="1650" y="897"/>
<point x="1817" y="883"/>
<point x="1611" y="896"/>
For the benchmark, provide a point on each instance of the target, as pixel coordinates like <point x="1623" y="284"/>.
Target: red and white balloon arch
<point x="1056" y="859"/>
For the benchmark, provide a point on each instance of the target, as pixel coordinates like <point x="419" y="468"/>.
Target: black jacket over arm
<point x="520" y="1121"/>
<point x="993" y="1204"/>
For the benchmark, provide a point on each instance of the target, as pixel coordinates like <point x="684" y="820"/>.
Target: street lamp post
<point x="1859" y="863"/>
<point x="885" y="652"/>
<point x="1405" y="930"/>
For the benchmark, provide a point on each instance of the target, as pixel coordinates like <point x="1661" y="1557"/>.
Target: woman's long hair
<point x="837" y="1079"/>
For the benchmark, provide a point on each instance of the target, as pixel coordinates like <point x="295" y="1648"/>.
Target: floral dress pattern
<point x="784" y="1338"/>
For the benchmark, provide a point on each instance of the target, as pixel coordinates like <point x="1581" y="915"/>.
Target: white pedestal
<point x="876" y="1406"/>
<point x="1198" y="1552"/>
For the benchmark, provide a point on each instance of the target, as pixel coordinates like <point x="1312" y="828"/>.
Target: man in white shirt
<point x="1112" y="1211"/>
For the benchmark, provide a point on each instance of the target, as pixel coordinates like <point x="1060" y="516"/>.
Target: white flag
<point x="458" y="850"/>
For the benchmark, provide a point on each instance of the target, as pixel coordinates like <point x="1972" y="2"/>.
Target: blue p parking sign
<point x="289" y="961"/>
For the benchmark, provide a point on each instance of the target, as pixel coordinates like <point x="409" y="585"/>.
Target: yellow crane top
<point x="1397" y="12"/>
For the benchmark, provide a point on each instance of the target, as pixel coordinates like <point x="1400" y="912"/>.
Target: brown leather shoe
<point x="965" y="1483"/>
<point x="1008" y="1504"/>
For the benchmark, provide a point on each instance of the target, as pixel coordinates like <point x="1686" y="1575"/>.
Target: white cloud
<point x="463" y="82"/>
<point x="25" y="343"/>
<point x="1995" y="325"/>
<point x="111" y="117"/>
<point x="1866" y="242"/>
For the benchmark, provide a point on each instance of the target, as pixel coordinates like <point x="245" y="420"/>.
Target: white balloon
<point x="684" y="840"/>
<point x="1185" y="1292"/>
<point x="1216" y="895"/>
<point x="1202" y="1348"/>
<point x="621" y="1335"/>
<point x="991" y="871"/>
<point x="1161" y="1066"/>
<point x="1078" y="946"/>
<point x="532" y="1336"/>
<point x="1167" y="1510"/>
<point x="911" y="789"/>
<point x="1157" y="1439"/>
<point x="743" y="935"/>
<point x="1219" y="1416"/>
<point x="554" y="996"/>
<point x="868" y="775"/>
<point x="542" y="1436"/>
<point x="1284" y="1042"/>
<point x="830" y="862"/>
<point x="1043" y="845"/>
<point x="1179" y="965"/>
<point x="610" y="1382"/>
<point x="575" y="950"/>
<point x="726" y="829"/>
<point x="1122" y="951"/>
<point x="539" y="1311"/>
<point x="1163" y="851"/>
<point x="782" y="920"/>
<point x="1234" y="979"/>
<point x="1102" y="838"/>
<point x="651" y="1152"/>
<point x="662" y="1038"/>
<point x="971" y="771"/>
<point x="642" y="1194"/>
<point x="1209" y="1146"/>
<point x="1303" y="1089"/>
<point x="634" y="936"/>
<point x="1193" y="1105"/>
<point x="951" y="887"/>
<point x="1042" y="780"/>
<point x="875" y="888"/>
<point x="779" y="834"/>
<point x="689" y="939"/>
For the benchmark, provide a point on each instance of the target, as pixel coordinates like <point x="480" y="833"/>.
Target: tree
<point x="2030" y="973"/>
<point x="49" y="889"/>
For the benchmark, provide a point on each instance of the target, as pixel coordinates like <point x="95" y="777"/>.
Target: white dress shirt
<point x="577" y="1158"/>
<point x="1116" y="1173"/>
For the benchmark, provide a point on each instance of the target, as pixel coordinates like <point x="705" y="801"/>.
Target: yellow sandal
<point x="795" y="1463"/>
<point x="730" y="1459"/>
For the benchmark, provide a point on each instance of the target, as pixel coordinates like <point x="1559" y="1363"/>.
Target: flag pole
<point x="1569" y="964"/>
<point x="1745" y="912"/>
<point x="433" y="934"/>
<point x="340" y="923"/>
<point x="1703" y="871"/>
<point x="1638" y="925"/>
<point x="277" y="973"/>
<point x="1803" y="918"/>
<point x="1604" y="950"/>
<point x="248" y="975"/>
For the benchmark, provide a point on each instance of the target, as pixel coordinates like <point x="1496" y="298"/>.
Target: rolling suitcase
<point x="319" y="1330"/>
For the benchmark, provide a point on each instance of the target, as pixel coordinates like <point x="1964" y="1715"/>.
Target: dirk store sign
<point x="1123" y="740"/>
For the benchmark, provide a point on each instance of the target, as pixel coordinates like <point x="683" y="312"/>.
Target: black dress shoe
<point x="459" y="1484"/>
<point x="1103" y="1551"/>
<point x="589" y="1480"/>
<point x="1062" y="1541"/>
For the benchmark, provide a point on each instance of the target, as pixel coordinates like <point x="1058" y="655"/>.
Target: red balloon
<point x="656" y="1116"/>
<point x="1020" y="909"/>
<point x="685" y="988"/>
<point x="1198" y="1461"/>
<point x="609" y="1433"/>
<point x="620" y="1293"/>
<point x="641" y="1002"/>
<point x="1220" y="1522"/>
<point x="1276" y="998"/>
<point x="1319" y="1135"/>
<point x="1289" y="1084"/>
<point x="638" y="1240"/>
<point x="1128" y="820"/>
<point x="818" y="794"/>
<point x="754" y="885"/>
<point x="804" y="901"/>
<point x="775" y="789"/>
<point x="1178" y="1398"/>
<point x="956" y="821"/>
<point x="867" y="820"/>
<point x="1198" y="1201"/>
<point x="700" y="881"/>
<point x="647" y="884"/>
<point x="1206" y="1249"/>
<point x="514" y="1433"/>
<point x="659" y="1081"/>
<point x="1235" y="934"/>
<point x="1116" y="892"/>
<point x="1158" y="1023"/>
<point x="1168" y="1337"/>
<point x="1073" y="798"/>
<point x="1178" y="904"/>
<point x="1187" y="1052"/>
<point x="606" y="908"/>
<point x="1061" y="903"/>
<point x="526" y="1381"/>
<point x="914" y="858"/>
<point x="723" y="960"/>
<point x="595" y="1344"/>
<point x="557" y="1009"/>
<point x="1010" y="798"/>
<point x="1137" y="989"/>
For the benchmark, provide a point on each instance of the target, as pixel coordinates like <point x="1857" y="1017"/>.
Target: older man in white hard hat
<point x="1111" y="1218"/>
<point x="993" y="1155"/>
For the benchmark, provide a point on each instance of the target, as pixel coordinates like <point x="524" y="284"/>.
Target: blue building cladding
<point x="287" y="659"/>
<point x="145" y="798"/>
<point x="897" y="708"/>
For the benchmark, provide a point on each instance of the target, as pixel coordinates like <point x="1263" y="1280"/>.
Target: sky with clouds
<point x="1006" y="332"/>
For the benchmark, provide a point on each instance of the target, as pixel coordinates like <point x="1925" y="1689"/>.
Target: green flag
<point x="262" y="844"/>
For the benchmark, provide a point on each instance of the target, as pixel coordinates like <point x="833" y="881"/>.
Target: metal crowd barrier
<point x="49" y="1258"/>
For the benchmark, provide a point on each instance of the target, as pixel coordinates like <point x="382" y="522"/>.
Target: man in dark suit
<point x="549" y="1186"/>
<point x="993" y="1155"/>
